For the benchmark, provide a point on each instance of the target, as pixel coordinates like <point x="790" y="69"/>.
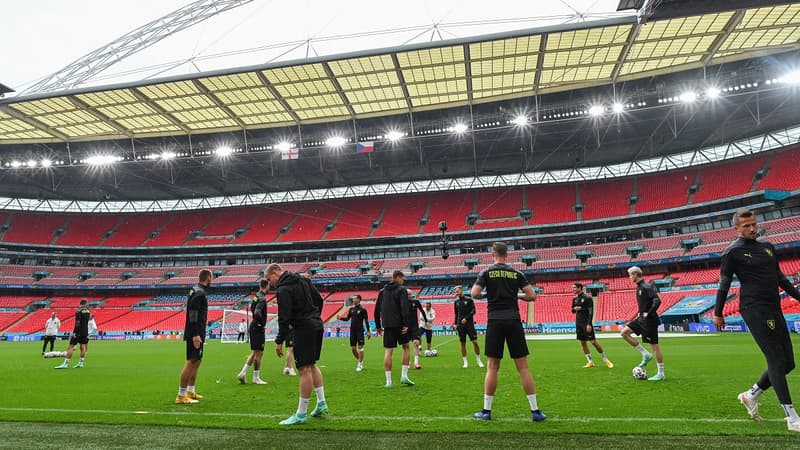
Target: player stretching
<point x="359" y="321"/>
<point x="413" y="327"/>
<point x="392" y="307"/>
<point x="80" y="336"/>
<point x="257" y="337"/>
<point x="754" y="263"/>
<point x="464" y="313"/>
<point x="502" y="283"/>
<point x="194" y="333"/>
<point x="646" y="322"/>
<point x="583" y="308"/>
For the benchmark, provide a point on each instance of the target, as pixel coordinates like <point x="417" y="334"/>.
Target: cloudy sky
<point x="39" y="37"/>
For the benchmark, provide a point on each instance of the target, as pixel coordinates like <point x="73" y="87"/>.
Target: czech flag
<point x="365" y="147"/>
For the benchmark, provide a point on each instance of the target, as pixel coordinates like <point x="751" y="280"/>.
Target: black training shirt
<point x="502" y="282"/>
<point x="464" y="308"/>
<point x="584" y="316"/>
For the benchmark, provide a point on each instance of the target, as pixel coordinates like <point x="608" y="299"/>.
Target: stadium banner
<point x="710" y="328"/>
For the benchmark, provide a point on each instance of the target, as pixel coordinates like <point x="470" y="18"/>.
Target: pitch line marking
<point x="188" y="412"/>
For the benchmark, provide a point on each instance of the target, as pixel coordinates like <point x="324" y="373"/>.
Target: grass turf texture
<point x="135" y="383"/>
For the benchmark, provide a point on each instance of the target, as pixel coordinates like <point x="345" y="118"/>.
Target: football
<point x="639" y="373"/>
<point x="434" y="352"/>
<point x="427" y="353"/>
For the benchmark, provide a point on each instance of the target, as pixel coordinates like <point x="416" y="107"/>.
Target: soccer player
<point x="464" y="313"/>
<point x="242" y="329"/>
<point x="393" y="310"/>
<point x="755" y="264"/>
<point x="502" y="283"/>
<point x="413" y="327"/>
<point x="80" y="336"/>
<point x="426" y="324"/>
<point x="359" y="321"/>
<point x="92" y="326"/>
<point x="646" y="322"/>
<point x="194" y="334"/>
<point x="259" y="309"/>
<point x="583" y="308"/>
<point x="51" y="327"/>
<point x="299" y="306"/>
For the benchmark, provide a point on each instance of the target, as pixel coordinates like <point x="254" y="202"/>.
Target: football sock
<point x="604" y="356"/>
<point x="790" y="412"/>
<point x="477" y="358"/>
<point x="66" y="361"/>
<point x="416" y="359"/>
<point x="487" y="402"/>
<point x="589" y="357"/>
<point x="244" y="368"/>
<point x="182" y="391"/>
<point x="320" y="391"/>
<point x="302" y="407"/>
<point x="256" y="374"/>
<point x="388" y="376"/>
<point x="81" y="361"/>
<point x="660" y="368"/>
<point x="465" y="359"/>
<point x="189" y="388"/>
<point x="755" y="392"/>
<point x="641" y="350"/>
<point x="404" y="371"/>
<point x="532" y="401"/>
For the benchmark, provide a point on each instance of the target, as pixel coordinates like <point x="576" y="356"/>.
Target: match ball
<point x="427" y="353"/>
<point x="639" y="373"/>
<point x="434" y="352"/>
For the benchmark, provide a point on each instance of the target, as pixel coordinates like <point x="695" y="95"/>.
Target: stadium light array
<point x="46" y="163"/>
<point x="596" y="110"/>
<point x="459" y="128"/>
<point x="335" y="141"/>
<point x="15" y="164"/>
<point x="520" y="120"/>
<point x="283" y="146"/>
<point x="223" y="151"/>
<point x="618" y="107"/>
<point x="166" y="156"/>
<point x="102" y="160"/>
<point x="31" y="163"/>
<point x="688" y="97"/>
<point x="394" y="135"/>
<point x="712" y="92"/>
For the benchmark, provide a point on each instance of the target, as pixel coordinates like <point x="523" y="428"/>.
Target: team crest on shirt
<point x="771" y="324"/>
<point x="768" y="251"/>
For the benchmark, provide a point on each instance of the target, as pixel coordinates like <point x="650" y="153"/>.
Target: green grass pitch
<point x="132" y="386"/>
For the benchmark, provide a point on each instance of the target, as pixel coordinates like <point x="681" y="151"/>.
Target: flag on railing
<point x="291" y="153"/>
<point x="365" y="147"/>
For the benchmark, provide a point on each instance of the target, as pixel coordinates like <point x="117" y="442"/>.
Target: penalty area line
<point x="334" y="417"/>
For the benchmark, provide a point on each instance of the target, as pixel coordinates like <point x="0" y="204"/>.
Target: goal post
<point x="231" y="318"/>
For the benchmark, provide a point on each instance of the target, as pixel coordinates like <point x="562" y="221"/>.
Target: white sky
<point x="40" y="37"/>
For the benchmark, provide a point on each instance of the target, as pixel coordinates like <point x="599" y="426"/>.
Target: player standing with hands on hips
<point x="502" y="283"/>
<point x="194" y="333"/>
<point x="754" y="263"/>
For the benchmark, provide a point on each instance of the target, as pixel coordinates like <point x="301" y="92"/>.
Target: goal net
<point x="231" y="320"/>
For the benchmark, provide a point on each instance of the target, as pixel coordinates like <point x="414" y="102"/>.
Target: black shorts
<point x="357" y="338"/>
<point x="582" y="335"/>
<point x="413" y="333"/>
<point x="307" y="346"/>
<point x="257" y="338"/>
<point x="193" y="353"/>
<point x="646" y="328"/>
<point x="505" y="332"/>
<point x="74" y="340"/>
<point x="393" y="336"/>
<point x="467" y="329"/>
<point x="427" y="333"/>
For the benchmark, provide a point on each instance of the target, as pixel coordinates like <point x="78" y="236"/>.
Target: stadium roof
<point x="403" y="79"/>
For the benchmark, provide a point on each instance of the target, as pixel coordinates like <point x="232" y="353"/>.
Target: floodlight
<point x="46" y="163"/>
<point x="168" y="155"/>
<point x="30" y="163"/>
<point x="223" y="151"/>
<point x="15" y="164"/>
<point x="617" y="107"/>
<point x="459" y="128"/>
<point x="335" y="141"/>
<point x="283" y="146"/>
<point x="394" y="135"/>
<point x="791" y="77"/>
<point x="102" y="160"/>
<point x="520" y="120"/>
<point x="688" y="97"/>
<point x="712" y="92"/>
<point x="596" y="110"/>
